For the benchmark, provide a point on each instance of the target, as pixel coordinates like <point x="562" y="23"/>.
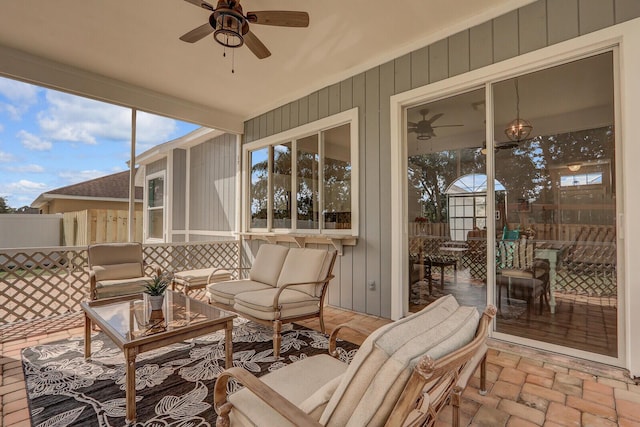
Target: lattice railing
<point x="174" y="257"/>
<point x="43" y="282"/>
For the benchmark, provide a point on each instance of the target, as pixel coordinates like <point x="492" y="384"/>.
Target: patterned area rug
<point x="174" y="384"/>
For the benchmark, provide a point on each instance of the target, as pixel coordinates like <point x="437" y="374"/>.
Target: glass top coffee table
<point x="135" y="328"/>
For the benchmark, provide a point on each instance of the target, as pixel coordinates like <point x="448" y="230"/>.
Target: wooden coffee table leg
<point x="228" y="344"/>
<point x="130" y="391"/>
<point x="87" y="336"/>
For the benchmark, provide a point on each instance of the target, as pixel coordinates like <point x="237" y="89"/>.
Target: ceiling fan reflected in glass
<point x="424" y="129"/>
<point x="230" y="26"/>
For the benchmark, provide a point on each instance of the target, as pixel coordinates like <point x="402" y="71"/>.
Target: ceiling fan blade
<point x="255" y="45"/>
<point x="446" y="126"/>
<point x="197" y="33"/>
<point x="201" y="3"/>
<point x="435" y="117"/>
<point x="412" y="124"/>
<point x="282" y="18"/>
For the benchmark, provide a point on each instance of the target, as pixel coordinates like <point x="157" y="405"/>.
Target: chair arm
<point x="265" y="393"/>
<point x="216" y="269"/>
<point x="281" y="288"/>
<point x="334" y="335"/>
<point x="471" y="366"/>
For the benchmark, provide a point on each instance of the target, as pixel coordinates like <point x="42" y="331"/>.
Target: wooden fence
<point x="90" y="226"/>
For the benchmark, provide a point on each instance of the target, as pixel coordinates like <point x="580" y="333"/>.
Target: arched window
<point x="467" y="201"/>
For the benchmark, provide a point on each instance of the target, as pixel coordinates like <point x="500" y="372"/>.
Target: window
<point x="581" y="179"/>
<point x="259" y="187"/>
<point x="468" y="204"/>
<point x="155" y="206"/>
<point x="303" y="179"/>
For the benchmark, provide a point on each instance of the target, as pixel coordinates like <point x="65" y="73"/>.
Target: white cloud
<point x="6" y="157"/>
<point x="76" y="119"/>
<point x="33" y="142"/>
<point x="22" y="186"/>
<point x="73" y="177"/>
<point x="16" y="91"/>
<point x="21" y="96"/>
<point x="33" y="168"/>
<point x="153" y="130"/>
<point x="21" y="192"/>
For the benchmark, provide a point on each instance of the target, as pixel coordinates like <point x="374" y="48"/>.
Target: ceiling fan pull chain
<point x="233" y="61"/>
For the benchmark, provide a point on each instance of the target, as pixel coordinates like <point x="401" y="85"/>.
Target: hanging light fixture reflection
<point x="519" y="128"/>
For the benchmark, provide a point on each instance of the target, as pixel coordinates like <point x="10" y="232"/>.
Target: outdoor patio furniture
<point x="525" y="288"/>
<point x="404" y="373"/>
<point x="441" y="261"/>
<point x="284" y="285"/>
<point x="199" y="278"/>
<point x="136" y="329"/>
<point x="117" y="269"/>
<point x="515" y="260"/>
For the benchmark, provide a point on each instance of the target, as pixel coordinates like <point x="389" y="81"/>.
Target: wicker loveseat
<point x="284" y="285"/>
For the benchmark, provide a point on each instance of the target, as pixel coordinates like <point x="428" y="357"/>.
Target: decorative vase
<point x="156" y="301"/>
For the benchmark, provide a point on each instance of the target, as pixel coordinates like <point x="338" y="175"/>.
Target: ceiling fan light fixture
<point x="228" y="26"/>
<point x="423" y="137"/>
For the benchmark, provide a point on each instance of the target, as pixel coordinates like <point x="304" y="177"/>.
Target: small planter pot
<point x="156" y="301"/>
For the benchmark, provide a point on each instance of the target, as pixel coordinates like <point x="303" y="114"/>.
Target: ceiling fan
<point x="230" y="26"/>
<point x="424" y="128"/>
<point x="498" y="146"/>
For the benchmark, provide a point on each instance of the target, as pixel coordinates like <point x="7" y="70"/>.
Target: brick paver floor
<point x="527" y="388"/>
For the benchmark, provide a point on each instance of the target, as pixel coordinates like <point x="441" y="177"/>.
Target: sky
<point x="50" y="139"/>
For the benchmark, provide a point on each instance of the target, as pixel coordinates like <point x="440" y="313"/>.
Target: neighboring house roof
<point x="113" y="187"/>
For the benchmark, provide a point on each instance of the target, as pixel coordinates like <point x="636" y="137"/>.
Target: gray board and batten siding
<point x="212" y="192"/>
<point x="534" y="26"/>
<point x="212" y="205"/>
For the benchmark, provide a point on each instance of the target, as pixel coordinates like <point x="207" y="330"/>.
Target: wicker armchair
<point x="404" y="373"/>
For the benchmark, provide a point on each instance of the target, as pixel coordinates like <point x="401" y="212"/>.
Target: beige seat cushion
<point x="225" y="292"/>
<point x="376" y="377"/>
<point x="304" y="265"/>
<point x="127" y="270"/>
<point x="199" y="277"/>
<point x="267" y="264"/>
<point x="111" y="288"/>
<point x="305" y="383"/>
<point x="114" y="253"/>
<point x="259" y="304"/>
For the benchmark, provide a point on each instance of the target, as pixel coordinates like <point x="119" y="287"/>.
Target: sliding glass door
<point x="540" y="239"/>
<point x="556" y="259"/>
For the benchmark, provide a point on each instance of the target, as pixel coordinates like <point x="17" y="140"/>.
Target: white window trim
<point x="345" y="117"/>
<point x="624" y="39"/>
<point x="161" y="174"/>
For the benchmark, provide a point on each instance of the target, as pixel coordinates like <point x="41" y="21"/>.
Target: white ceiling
<point x="135" y="42"/>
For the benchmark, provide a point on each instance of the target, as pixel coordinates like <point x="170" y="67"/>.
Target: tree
<point x="4" y="207"/>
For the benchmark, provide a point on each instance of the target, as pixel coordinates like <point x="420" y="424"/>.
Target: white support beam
<point x="29" y="68"/>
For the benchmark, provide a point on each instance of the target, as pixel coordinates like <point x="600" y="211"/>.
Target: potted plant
<point x="155" y="289"/>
